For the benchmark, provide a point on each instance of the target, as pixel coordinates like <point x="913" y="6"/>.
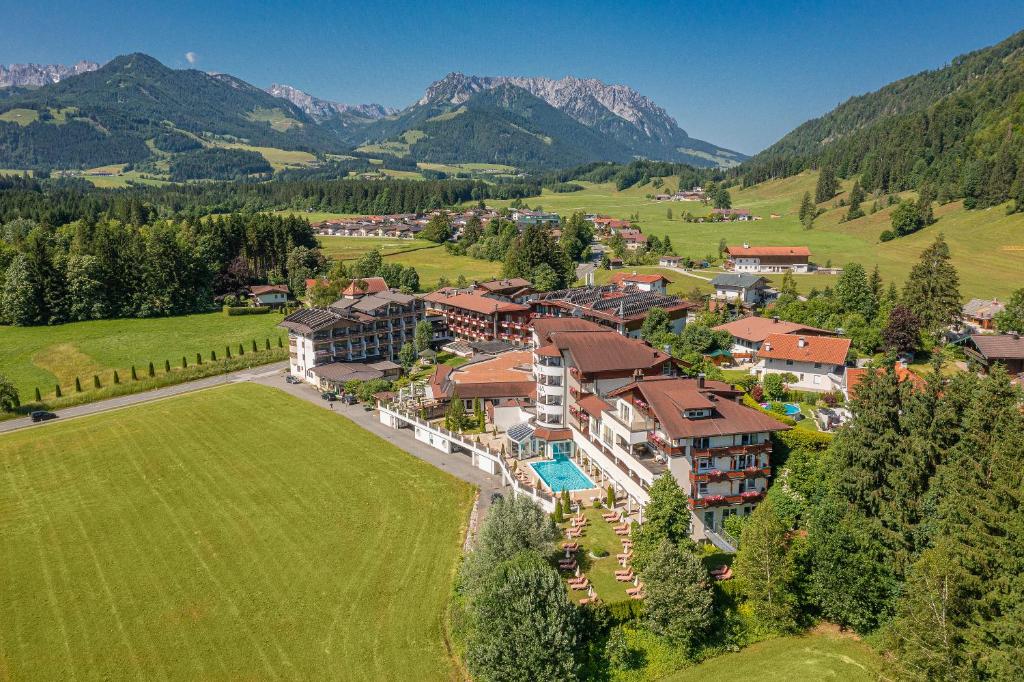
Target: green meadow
<point x="45" y="356"/>
<point x="236" y="533"/>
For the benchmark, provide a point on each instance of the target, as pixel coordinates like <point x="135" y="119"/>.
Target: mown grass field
<point x="809" y="658"/>
<point x="178" y="540"/>
<point x="430" y="260"/>
<point x="44" y="356"/>
<point x="987" y="245"/>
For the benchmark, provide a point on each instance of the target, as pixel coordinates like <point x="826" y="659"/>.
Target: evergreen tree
<point x="167" y="366"/>
<point x="117" y="378"/>
<point x="9" y="399"/>
<point x="853" y="293"/>
<point x="135" y="375"/>
<point x="807" y="208"/>
<point x="95" y="381"/>
<point x="827" y="185"/>
<point x="56" y="391"/>
<point x="1011" y="318"/>
<point x="932" y="290"/>
<point x="455" y="416"/>
<point x="152" y="370"/>
<point x="679" y="595"/>
<point x="39" y="396"/>
<point x="666" y="517"/>
<point x="856" y="197"/>
<point x="78" y="385"/>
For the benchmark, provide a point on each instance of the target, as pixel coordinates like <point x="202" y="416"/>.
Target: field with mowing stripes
<point x="235" y="533"/>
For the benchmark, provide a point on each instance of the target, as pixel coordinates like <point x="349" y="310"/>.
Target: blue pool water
<point x="561" y="474"/>
<point x="790" y="408"/>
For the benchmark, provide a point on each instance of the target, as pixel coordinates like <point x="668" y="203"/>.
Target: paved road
<point x="458" y="465"/>
<point x="688" y="273"/>
<point x="155" y="394"/>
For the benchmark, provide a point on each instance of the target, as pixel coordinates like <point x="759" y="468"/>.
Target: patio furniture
<point x="570" y="546"/>
<point x="724" y="576"/>
<point x="611" y="516"/>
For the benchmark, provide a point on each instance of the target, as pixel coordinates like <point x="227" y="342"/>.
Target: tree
<point x="527" y="628"/>
<point x="668" y="213"/>
<point x="302" y="264"/>
<point x="424" y="335"/>
<point x="774" y="387"/>
<point x="766" y="567"/>
<point x="722" y="246"/>
<point x="545" y="278"/>
<point x="9" y="399"/>
<point x="856" y="197"/>
<point x="438" y="229"/>
<point x="906" y="219"/>
<point x="667" y="517"/>
<point x="902" y="332"/>
<point x="655" y="325"/>
<point x="807" y="208"/>
<point x="407" y="355"/>
<point x="20" y="298"/>
<point x="577" y="233"/>
<point x="853" y="293"/>
<point x="1011" y="319"/>
<point x="932" y="290"/>
<point x="827" y="185"/>
<point x="721" y="198"/>
<point x="679" y="596"/>
<point x="455" y="416"/>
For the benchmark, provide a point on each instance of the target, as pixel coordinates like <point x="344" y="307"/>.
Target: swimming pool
<point x="790" y="408"/>
<point x="561" y="474"/>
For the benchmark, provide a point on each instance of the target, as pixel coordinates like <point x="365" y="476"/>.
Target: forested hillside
<point x="958" y="131"/>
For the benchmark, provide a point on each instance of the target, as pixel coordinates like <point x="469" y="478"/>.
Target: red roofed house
<point x="475" y="317"/>
<point x="364" y="286"/>
<point x="817" y="362"/>
<point x="748" y="333"/>
<point x="855" y="375"/>
<point x="271" y="295"/>
<point x="749" y="258"/>
<point x="643" y="282"/>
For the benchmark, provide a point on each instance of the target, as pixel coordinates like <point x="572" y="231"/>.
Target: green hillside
<point x="957" y="130"/>
<point x="107" y="116"/>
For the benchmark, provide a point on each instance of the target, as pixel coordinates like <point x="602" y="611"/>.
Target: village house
<point x="515" y="290"/>
<point x="363" y="286"/>
<point x="643" y="282"/>
<point x="743" y="288"/>
<point x="989" y="349"/>
<point x="635" y="239"/>
<point x="979" y="314"/>
<point x="768" y="259"/>
<point x="610" y="226"/>
<point x="738" y="214"/>
<point x="669" y="261"/>
<point x="748" y="333"/>
<point x="269" y="295"/>
<point x="817" y="363"/>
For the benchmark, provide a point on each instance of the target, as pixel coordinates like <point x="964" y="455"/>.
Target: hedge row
<point x="232" y="310"/>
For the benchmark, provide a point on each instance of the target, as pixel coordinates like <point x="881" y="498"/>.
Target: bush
<point x="78" y="385"/>
<point x="557" y="515"/>
<point x="184" y="362"/>
<point x="199" y="358"/>
<point x="57" y="391"/>
<point x="619" y="612"/>
<point x="254" y="347"/>
<point x="227" y="352"/>
<point x="241" y="350"/>
<point x="280" y="343"/>
<point x="117" y="377"/>
<point x="95" y="381"/>
<point x="887" y="236"/>
<point x="757" y="393"/>
<point x="167" y="366"/>
<point x="233" y="310"/>
<point x="39" y="396"/>
<point x="152" y="370"/>
<point x="267" y="345"/>
<point x="135" y="375"/>
<point x="753" y="404"/>
<point x="213" y="356"/>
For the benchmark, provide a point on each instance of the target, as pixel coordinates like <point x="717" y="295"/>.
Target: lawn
<point x="44" y="356"/>
<point x="987" y="245"/>
<point x="174" y="540"/>
<point x="20" y="116"/>
<point x="600" y="535"/>
<point x="430" y="260"/>
<point x="809" y="658"/>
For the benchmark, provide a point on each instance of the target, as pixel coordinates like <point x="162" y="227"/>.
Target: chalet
<point x="364" y="286"/>
<point x="989" y="349"/>
<point x="743" y="288"/>
<point x="740" y="214"/>
<point x="643" y="282"/>
<point x="768" y="259"/>
<point x="610" y="226"/>
<point x="748" y="333"/>
<point x="980" y="313"/>
<point x="270" y="295"/>
<point x="516" y="289"/>
<point x="817" y="362"/>
<point x="635" y="239"/>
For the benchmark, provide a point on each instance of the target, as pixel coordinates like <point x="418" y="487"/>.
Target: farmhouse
<point x="768" y="259"/>
<point x="980" y="313"/>
<point x="1004" y="349"/>
<point x="743" y="288"/>
<point x="270" y="295"/>
<point x="748" y="333"/>
<point x="817" y="362"/>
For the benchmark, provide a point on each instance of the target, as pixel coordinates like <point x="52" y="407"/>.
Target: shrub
<point x="620" y="612"/>
<point x="887" y="236"/>
<point x="610" y="496"/>
<point x="600" y="553"/>
<point x="830" y="399"/>
<point x="280" y="343"/>
<point x="199" y="358"/>
<point x="557" y="515"/>
<point x="135" y="375"/>
<point x="213" y="356"/>
<point x="117" y="377"/>
<point x="241" y="349"/>
<point x="78" y="385"/>
<point x="757" y="393"/>
<point x="227" y="351"/>
<point x="184" y="362"/>
<point x="167" y="366"/>
<point x="57" y="391"/>
<point x="95" y="381"/>
<point x="267" y="345"/>
<point x="254" y="348"/>
<point x="232" y="310"/>
<point x="39" y="396"/>
<point x="152" y="370"/>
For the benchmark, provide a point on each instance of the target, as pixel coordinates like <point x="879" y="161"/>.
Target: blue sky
<point x="739" y="74"/>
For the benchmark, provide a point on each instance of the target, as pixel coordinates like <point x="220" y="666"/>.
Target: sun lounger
<point x="635" y="590"/>
<point x="570" y="546"/>
<point x="625" y="577"/>
<point x="611" y="516"/>
<point x="580" y="587"/>
<point x="567" y="565"/>
<point x="622" y="531"/>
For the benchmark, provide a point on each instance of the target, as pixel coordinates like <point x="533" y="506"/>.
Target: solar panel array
<point x="630" y="303"/>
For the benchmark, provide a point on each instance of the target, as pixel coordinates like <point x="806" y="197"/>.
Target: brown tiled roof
<point x="546" y="434"/>
<point x="500" y="284"/>
<point x="757" y="329"/>
<point x="644" y="278"/>
<point x="1000" y="346"/>
<point x="593" y="405"/>
<point x="668" y="397"/>
<point x="594" y="352"/>
<point x="259" y="289"/>
<point x="365" y="285"/>
<point x="821" y="349"/>
<point x="801" y="251"/>
<point x="543" y="327"/>
<point x="474" y="302"/>
<point x="505" y="376"/>
<point x="548" y="351"/>
<point x="855" y="375"/>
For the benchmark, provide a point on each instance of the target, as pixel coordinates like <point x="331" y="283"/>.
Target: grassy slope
<point x="808" y="658"/>
<point x="175" y="541"/>
<point x="41" y="356"/>
<point x="987" y="245"/>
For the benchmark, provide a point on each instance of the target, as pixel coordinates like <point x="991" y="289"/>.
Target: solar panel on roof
<point x="520" y="432"/>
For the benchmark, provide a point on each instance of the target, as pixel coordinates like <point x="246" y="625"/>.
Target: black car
<point x="292" y="380"/>
<point x="42" y="415"/>
<point x="349" y="399"/>
<point x="329" y="396"/>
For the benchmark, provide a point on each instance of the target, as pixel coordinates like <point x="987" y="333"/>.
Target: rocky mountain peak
<point x="321" y="109"/>
<point x="37" y="75"/>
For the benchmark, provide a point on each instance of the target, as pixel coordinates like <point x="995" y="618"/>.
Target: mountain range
<point x="57" y="116"/>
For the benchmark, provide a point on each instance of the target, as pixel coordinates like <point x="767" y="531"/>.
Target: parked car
<point x="329" y="396"/>
<point x="292" y="380"/>
<point x="349" y="399"/>
<point x="42" y="415"/>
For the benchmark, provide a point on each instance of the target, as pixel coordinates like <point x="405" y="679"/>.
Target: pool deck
<point x="581" y="494"/>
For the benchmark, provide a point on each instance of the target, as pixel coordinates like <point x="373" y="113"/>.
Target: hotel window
<point x="702" y="489"/>
<point x="789" y="362"/>
<point x="701" y="443"/>
<point x="703" y="464"/>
